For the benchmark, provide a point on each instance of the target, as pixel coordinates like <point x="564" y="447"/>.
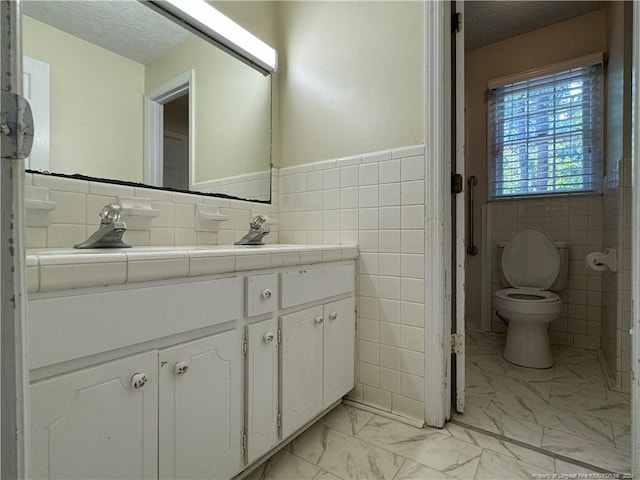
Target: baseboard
<point x="414" y="422"/>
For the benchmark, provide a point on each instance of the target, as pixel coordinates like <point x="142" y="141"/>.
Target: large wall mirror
<point x="105" y="76"/>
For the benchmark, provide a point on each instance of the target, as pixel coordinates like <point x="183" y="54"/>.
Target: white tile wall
<point x="377" y="201"/>
<point x="78" y="203"/>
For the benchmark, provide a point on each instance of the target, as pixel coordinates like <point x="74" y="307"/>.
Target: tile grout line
<point x="533" y="448"/>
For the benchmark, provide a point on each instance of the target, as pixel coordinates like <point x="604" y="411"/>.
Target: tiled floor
<point x="350" y="443"/>
<point x="566" y="409"/>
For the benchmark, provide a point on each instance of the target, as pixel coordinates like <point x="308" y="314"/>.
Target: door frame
<point x="635" y="252"/>
<point x="437" y="206"/>
<point x="154" y="125"/>
<point x="14" y="393"/>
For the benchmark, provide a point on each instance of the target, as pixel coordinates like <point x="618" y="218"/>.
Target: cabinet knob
<point x="138" y="380"/>
<point x="181" y="368"/>
<point x="318" y="320"/>
<point x="268" y="337"/>
<point x="266" y="294"/>
<point x="333" y="315"/>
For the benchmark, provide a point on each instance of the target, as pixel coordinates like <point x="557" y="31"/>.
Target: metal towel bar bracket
<point x="471" y="247"/>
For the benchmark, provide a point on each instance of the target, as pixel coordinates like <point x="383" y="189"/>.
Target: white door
<point x="460" y="210"/>
<point x="175" y="160"/>
<point x="339" y="350"/>
<point x="200" y="408"/>
<point x="262" y="387"/>
<point x="94" y="424"/>
<point x="300" y="368"/>
<point x="36" y="90"/>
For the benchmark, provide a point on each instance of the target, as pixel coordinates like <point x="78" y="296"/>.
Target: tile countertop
<point x="67" y="268"/>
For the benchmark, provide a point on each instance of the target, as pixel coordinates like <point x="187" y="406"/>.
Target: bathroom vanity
<point x="184" y="362"/>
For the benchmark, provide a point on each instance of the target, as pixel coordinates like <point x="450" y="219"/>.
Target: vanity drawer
<point x="261" y="294"/>
<point x="303" y="286"/>
<point x="73" y="326"/>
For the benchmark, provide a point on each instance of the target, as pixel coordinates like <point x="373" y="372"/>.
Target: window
<point x="545" y="134"/>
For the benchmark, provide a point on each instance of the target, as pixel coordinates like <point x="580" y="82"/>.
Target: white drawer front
<point x="262" y="294"/>
<point x="66" y="328"/>
<point x="308" y="285"/>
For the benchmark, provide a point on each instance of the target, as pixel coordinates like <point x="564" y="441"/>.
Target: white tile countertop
<point x="67" y="268"/>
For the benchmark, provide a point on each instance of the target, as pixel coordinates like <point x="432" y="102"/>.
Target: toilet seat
<point x="527" y="295"/>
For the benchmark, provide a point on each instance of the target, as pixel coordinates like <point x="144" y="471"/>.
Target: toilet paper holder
<point x="603" y="260"/>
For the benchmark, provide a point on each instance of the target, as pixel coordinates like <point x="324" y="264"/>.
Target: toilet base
<point x="528" y="345"/>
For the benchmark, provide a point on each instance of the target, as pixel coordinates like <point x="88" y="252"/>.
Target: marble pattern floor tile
<point x="587" y="426"/>
<point x="429" y="446"/>
<point x="593" y="453"/>
<point x="387" y="449"/>
<point x="502" y="447"/>
<point x="345" y="456"/>
<point x="347" y="419"/>
<point x="571" y="398"/>
<point x="415" y="471"/>
<point x="613" y="406"/>
<point x="502" y="424"/>
<point x="494" y="466"/>
<point x="285" y="466"/>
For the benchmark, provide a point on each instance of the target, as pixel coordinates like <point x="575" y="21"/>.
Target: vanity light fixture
<point x="202" y="17"/>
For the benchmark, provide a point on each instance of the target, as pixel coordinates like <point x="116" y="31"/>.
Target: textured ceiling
<point x="125" y="27"/>
<point x="489" y="22"/>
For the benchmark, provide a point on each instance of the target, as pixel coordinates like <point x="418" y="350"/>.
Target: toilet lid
<point x="531" y="259"/>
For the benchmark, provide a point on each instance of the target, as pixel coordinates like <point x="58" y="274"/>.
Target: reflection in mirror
<point x="90" y="65"/>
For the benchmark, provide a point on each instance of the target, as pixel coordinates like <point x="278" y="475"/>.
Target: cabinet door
<point x="301" y="368"/>
<point x="200" y="408"/>
<point x="339" y="350"/>
<point x="262" y="388"/>
<point x="93" y="423"/>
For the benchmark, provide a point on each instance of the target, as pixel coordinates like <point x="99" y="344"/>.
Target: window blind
<point x="545" y="134"/>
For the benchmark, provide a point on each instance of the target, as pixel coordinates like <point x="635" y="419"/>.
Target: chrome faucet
<point x="109" y="234"/>
<point x="257" y="230"/>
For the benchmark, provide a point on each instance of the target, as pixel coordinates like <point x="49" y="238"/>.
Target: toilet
<point x="532" y="265"/>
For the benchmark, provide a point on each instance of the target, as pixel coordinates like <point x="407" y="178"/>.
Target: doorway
<point x="175" y="151"/>
<point x="579" y="409"/>
<point x="169" y="133"/>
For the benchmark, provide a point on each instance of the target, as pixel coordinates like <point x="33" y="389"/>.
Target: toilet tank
<point x="563" y="274"/>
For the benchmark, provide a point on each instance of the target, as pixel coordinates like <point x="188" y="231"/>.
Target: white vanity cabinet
<point x="317" y="361"/>
<point x="200" y="408"/>
<point x="262" y="387"/>
<point x="191" y="378"/>
<point x="95" y="423"/>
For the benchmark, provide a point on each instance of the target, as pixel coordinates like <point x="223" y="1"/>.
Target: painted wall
<point x="96" y="104"/>
<point x="570" y="39"/>
<point x="233" y="108"/>
<point x="351" y="79"/>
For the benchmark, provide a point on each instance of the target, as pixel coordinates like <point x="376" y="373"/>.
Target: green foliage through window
<point x="545" y="134"/>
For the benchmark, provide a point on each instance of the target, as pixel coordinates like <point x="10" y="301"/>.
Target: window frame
<point x="597" y="59"/>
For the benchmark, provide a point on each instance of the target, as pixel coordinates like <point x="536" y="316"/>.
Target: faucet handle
<point x="111" y="213"/>
<point x="257" y="222"/>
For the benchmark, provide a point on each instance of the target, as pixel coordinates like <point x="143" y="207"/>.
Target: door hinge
<point x="279" y="336"/>
<point x="244" y="441"/>
<point x="245" y="347"/>
<point x="456" y="183"/>
<point x="279" y="420"/>
<point x="457" y="343"/>
<point x="16" y="124"/>
<point x="456" y="22"/>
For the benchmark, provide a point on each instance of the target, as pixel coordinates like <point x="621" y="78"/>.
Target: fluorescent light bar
<point x="222" y="29"/>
